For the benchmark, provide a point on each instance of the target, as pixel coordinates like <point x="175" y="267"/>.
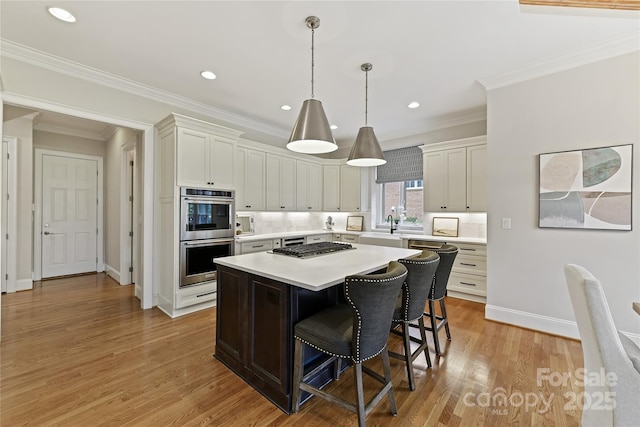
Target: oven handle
<point x="207" y="200"/>
<point x="207" y="242"/>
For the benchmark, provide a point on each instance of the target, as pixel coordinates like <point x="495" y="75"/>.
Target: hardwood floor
<point x="80" y="352"/>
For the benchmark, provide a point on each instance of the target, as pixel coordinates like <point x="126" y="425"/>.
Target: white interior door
<point x="69" y="215"/>
<point x="4" y="215"/>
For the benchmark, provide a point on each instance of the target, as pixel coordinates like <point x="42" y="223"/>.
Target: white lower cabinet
<point x="348" y="238"/>
<point x="468" y="277"/>
<point x="257" y="246"/>
<point x="316" y="238"/>
<point x="195" y="294"/>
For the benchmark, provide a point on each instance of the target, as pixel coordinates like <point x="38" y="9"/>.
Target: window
<point x="399" y="189"/>
<point x="403" y="201"/>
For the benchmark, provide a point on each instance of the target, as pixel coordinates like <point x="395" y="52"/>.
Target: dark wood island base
<point x="254" y="331"/>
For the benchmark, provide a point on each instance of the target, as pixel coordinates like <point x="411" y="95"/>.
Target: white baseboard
<point x="551" y="325"/>
<point x="112" y="272"/>
<point x="24" y="285"/>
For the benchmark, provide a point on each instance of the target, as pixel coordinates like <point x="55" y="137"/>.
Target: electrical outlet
<point x="506" y="223"/>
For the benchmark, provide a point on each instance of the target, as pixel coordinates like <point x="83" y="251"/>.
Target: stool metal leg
<point x="434" y="325"/>
<point x="298" y="373"/>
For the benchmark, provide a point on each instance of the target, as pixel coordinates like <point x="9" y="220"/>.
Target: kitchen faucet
<point x="390" y="219"/>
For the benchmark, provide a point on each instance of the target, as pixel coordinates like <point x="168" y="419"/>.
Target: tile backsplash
<point x="470" y="224"/>
<point x="279" y="222"/>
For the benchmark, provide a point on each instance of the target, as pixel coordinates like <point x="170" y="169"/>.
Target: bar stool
<point x="357" y="331"/>
<point x="410" y="308"/>
<point x="438" y="292"/>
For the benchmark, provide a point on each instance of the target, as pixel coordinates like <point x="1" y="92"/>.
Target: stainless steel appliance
<point x="207" y="229"/>
<point x="197" y="259"/>
<point x="206" y="214"/>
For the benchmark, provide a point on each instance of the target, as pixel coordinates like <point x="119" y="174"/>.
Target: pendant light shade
<point x="311" y="134"/>
<point x="366" y="150"/>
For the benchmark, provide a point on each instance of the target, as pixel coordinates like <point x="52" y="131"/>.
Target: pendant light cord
<point x="366" y="97"/>
<point x="313" y="31"/>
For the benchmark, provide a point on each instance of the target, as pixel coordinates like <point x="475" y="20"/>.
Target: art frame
<point x="354" y="223"/>
<point x="447" y="227"/>
<point x="587" y="189"/>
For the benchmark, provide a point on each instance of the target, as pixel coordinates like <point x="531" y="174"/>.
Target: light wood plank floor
<point x="80" y="352"/>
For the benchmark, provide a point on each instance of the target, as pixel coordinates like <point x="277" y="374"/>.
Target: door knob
<point x="46" y="233"/>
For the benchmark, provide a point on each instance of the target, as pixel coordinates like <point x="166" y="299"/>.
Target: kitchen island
<point x="261" y="296"/>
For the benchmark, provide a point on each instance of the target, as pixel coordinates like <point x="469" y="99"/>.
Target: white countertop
<point x="319" y="272"/>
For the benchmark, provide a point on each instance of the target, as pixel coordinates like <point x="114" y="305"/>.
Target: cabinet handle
<point x="257" y="246"/>
<point x="470" y="265"/>
<point x="467" y="283"/>
<point x="204" y="295"/>
<point x="467" y="249"/>
<point x="281" y="207"/>
<point x="247" y="206"/>
<point x="309" y="207"/>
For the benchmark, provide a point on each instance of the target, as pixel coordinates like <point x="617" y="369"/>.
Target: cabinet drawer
<point x="316" y="239"/>
<point x="467" y="283"/>
<point x="257" y="246"/>
<point x="195" y="294"/>
<point x="470" y="264"/>
<point x="471" y="248"/>
<point x="352" y="238"/>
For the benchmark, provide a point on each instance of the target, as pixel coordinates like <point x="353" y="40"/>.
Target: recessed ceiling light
<point x="61" y="14"/>
<point x="209" y="75"/>
<point x="333" y="127"/>
<point x="285" y="107"/>
<point x="413" y="104"/>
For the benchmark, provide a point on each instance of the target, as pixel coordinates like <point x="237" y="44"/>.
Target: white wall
<point x="21" y="128"/>
<point x="67" y="143"/>
<point x="586" y="107"/>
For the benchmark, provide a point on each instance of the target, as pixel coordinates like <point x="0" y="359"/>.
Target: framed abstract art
<point x="587" y="189"/>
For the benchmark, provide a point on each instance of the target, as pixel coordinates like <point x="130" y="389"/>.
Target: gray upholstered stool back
<point x="372" y="298"/>
<point x="447" y="256"/>
<point x="417" y="286"/>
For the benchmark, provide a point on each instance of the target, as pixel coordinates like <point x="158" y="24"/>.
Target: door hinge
<point x="131" y="162"/>
<point x="131" y="198"/>
<point x="130" y="269"/>
<point x="131" y="234"/>
<point x="7" y="236"/>
<point x="96" y="231"/>
<point x="6" y="277"/>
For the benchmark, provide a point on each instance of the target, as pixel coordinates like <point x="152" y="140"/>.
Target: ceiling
<point x="433" y="52"/>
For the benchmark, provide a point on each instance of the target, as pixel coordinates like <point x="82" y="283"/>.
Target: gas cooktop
<point x="312" y="249"/>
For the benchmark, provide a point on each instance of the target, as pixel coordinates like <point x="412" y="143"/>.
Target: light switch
<point x="506" y="223"/>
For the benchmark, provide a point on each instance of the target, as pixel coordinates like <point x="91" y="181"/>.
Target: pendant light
<point x="366" y="151"/>
<point x="311" y="134"/>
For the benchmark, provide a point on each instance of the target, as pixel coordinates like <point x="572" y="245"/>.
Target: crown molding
<point x="49" y="62"/>
<point x="442" y="122"/>
<point x="606" y="50"/>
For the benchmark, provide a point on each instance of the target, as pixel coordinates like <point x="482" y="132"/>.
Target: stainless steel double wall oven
<point x="207" y="228"/>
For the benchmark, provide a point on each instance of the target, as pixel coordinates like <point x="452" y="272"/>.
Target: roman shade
<point x="403" y="164"/>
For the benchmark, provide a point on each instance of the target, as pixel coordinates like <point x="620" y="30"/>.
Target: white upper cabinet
<point x="281" y="183"/>
<point x="342" y="188"/>
<point x="350" y="188"/>
<point x="204" y="152"/>
<point x="455" y="176"/>
<point x="308" y="186"/>
<point x="331" y="188"/>
<point x="250" y="180"/>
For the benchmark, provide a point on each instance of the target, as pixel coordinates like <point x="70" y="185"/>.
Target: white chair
<point x="604" y="347"/>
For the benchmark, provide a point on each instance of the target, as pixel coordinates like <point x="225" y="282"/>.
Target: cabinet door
<point x="281" y="183"/>
<point x="193" y="158"/>
<point x="477" y="178"/>
<point x="455" y="193"/>
<point x="254" y="181"/>
<point x="232" y="306"/>
<point x="433" y="172"/>
<point x="221" y="163"/>
<point x="331" y="188"/>
<point x="308" y="186"/>
<point x="350" y="188"/>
